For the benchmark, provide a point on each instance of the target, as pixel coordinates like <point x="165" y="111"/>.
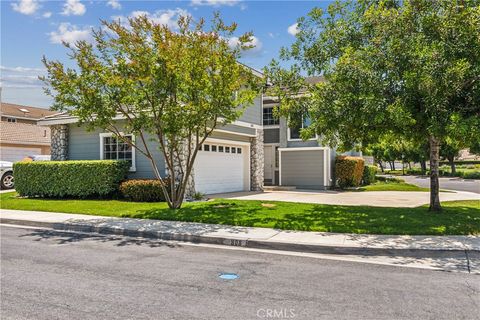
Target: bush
<point x="143" y="190"/>
<point x="390" y="179"/>
<point x="471" y="175"/>
<point x="369" y="173"/>
<point x="77" y="179"/>
<point x="349" y="171"/>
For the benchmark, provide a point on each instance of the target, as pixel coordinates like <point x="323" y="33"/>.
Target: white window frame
<point x="289" y="138"/>
<point x="109" y="134"/>
<point x="270" y="125"/>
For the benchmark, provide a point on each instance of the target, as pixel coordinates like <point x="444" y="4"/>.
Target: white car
<point x="6" y="172"/>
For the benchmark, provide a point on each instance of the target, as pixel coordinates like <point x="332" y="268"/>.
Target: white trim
<point x="303" y="148"/>
<point x="280" y="166"/>
<point x="109" y="134"/>
<point x="300" y="139"/>
<point x="246" y="124"/>
<point x="325" y="168"/>
<point x="226" y="141"/>
<point x="234" y="133"/>
<point x="246" y="185"/>
<point x="271" y="126"/>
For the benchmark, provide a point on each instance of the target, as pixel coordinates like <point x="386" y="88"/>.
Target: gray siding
<point x="238" y="129"/>
<point x="303" y="169"/>
<point x="227" y="136"/>
<point x="271" y="135"/>
<point x="83" y="145"/>
<point x="253" y="113"/>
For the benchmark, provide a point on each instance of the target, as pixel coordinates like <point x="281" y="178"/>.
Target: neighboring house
<point x="20" y="136"/>
<point x="290" y="161"/>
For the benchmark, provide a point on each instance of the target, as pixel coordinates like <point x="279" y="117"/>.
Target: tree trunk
<point x="434" y="183"/>
<point x="381" y="166"/>
<point x="393" y="165"/>
<point x="409" y="165"/>
<point x="423" y="164"/>
<point x="451" y="161"/>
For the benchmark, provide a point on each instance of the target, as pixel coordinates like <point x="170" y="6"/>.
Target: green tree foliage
<point x="404" y="67"/>
<point x="175" y="86"/>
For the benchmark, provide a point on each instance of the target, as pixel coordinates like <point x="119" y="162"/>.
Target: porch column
<point x="59" y="142"/>
<point x="256" y="161"/>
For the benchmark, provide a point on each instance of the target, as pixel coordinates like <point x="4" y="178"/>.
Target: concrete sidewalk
<point x="399" y="199"/>
<point x="262" y="238"/>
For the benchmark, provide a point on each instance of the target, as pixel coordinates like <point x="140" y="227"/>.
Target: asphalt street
<point x="52" y="275"/>
<point x="447" y="183"/>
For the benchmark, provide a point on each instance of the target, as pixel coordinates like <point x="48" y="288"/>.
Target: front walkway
<point x="404" y="199"/>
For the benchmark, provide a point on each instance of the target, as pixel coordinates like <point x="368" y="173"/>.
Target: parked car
<point x="37" y="158"/>
<point x="6" y="172"/>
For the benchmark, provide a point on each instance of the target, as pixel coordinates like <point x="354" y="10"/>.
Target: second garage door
<point x="14" y="154"/>
<point x="221" y="167"/>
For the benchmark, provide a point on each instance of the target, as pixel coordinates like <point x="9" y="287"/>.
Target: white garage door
<point x="221" y="167"/>
<point x="16" y="153"/>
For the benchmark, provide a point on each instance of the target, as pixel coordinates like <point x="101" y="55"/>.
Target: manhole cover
<point x="228" y="276"/>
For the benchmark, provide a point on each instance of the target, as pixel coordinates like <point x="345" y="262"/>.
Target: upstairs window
<point x="114" y="148"/>
<point x="294" y="130"/>
<point x="11" y="120"/>
<point x="268" y="117"/>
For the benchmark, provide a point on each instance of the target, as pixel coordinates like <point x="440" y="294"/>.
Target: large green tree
<point x="170" y="86"/>
<point x="408" y="67"/>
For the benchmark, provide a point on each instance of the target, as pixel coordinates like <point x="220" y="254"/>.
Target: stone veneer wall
<point x="257" y="161"/>
<point x="59" y="142"/>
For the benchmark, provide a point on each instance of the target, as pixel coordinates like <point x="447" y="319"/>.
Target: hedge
<point x="369" y="173"/>
<point x="76" y="179"/>
<point x="349" y="171"/>
<point x="143" y="190"/>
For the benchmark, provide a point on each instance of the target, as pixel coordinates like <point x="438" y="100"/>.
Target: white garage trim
<point x="245" y="146"/>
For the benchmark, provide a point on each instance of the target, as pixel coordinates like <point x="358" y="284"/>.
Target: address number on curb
<point x="235" y="242"/>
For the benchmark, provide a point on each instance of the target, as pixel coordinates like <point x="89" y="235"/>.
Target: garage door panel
<point x="217" y="172"/>
<point x="14" y="154"/>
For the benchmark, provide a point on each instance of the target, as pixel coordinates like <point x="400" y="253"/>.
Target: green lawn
<point x="391" y="186"/>
<point x="457" y="218"/>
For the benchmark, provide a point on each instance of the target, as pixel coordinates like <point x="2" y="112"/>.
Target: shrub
<point x="77" y="179"/>
<point x="471" y="175"/>
<point x="143" y="190"/>
<point x="369" y="173"/>
<point x="349" y="171"/>
<point x="390" y="179"/>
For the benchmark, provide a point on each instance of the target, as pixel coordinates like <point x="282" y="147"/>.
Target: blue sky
<point x="33" y="28"/>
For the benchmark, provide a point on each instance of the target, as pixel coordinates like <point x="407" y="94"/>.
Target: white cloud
<point x="47" y="14"/>
<point x="255" y="42"/>
<point x="70" y="34"/>
<point x="73" y="7"/>
<point x="167" y="17"/>
<point x="214" y="3"/>
<point x="21" y="77"/>
<point x="115" y="4"/>
<point x="27" y="7"/>
<point x="21" y="69"/>
<point x="293" y="29"/>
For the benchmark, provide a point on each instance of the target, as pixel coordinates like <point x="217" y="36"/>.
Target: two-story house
<point x="230" y="160"/>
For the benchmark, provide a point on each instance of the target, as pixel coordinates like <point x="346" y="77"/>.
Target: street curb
<point x="231" y="241"/>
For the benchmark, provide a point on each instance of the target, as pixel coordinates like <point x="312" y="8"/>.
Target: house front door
<point x="268" y="164"/>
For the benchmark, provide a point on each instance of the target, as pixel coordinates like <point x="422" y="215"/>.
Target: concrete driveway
<point x="405" y="199"/>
